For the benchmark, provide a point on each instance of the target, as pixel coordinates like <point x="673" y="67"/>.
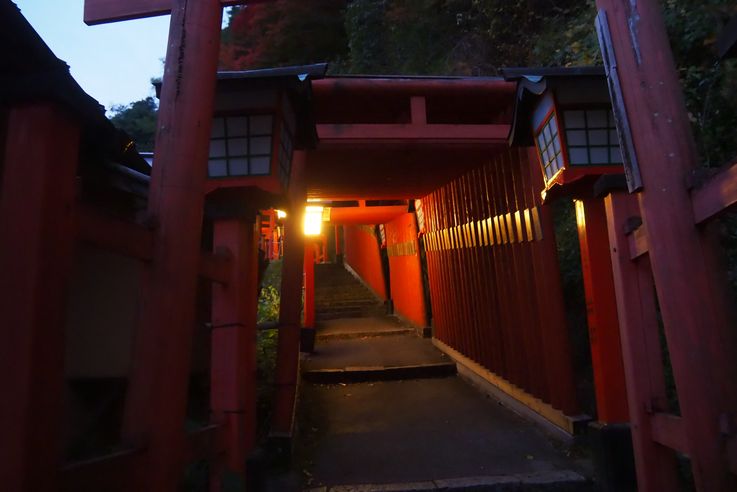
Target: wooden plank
<point x="156" y="401"/>
<point x="37" y="208"/>
<point x="409" y="133"/>
<point x="104" y="11"/>
<point x="641" y="353"/>
<point x="701" y="343"/>
<point x="638" y="242"/>
<point x="110" y="472"/>
<point x="715" y="196"/>
<point x="668" y="430"/>
<point x="556" y="417"/>
<point x="115" y="235"/>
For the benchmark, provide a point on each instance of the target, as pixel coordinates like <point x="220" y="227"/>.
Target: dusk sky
<point x="114" y="63"/>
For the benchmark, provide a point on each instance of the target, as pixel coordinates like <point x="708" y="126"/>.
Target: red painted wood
<point x="398" y="133"/>
<point x="338" y="240"/>
<point x="418" y="110"/>
<point x="290" y="307"/>
<point x="702" y="344"/>
<point x="103" y="11"/>
<point x="157" y="392"/>
<point x="217" y="266"/>
<point x="366" y="215"/>
<point x="309" y="267"/>
<point x="668" y="430"/>
<point x="405" y="269"/>
<point x="496" y="334"/>
<point x="112" y="234"/>
<point x="641" y="353"/>
<point x="524" y="201"/>
<point x="37" y="229"/>
<point x="601" y="311"/>
<point x="716" y="195"/>
<point x="362" y="255"/>
<point x="412" y="86"/>
<point x="233" y="342"/>
<point x="555" y="339"/>
<point x="524" y="276"/>
<point x="518" y="339"/>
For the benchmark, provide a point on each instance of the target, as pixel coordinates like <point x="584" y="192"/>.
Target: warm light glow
<point x="281" y="214"/>
<point x="580" y="215"/>
<point x="313" y="220"/>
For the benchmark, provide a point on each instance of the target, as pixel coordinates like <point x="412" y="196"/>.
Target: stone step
<point x="367" y="374"/>
<point x="550" y="481"/>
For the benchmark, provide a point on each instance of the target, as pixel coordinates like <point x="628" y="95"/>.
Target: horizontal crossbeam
<point x="104" y="11"/>
<point x="411" y="133"/>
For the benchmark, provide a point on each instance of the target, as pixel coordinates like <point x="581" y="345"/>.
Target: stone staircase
<point x="338" y="294"/>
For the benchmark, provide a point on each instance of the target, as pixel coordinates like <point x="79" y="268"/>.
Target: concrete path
<point x="417" y="433"/>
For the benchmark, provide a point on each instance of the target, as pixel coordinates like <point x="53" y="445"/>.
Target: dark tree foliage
<point x="138" y="119"/>
<point x="284" y="32"/>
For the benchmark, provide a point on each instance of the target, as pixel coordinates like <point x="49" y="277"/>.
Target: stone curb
<point x="379" y="373"/>
<point x="562" y="480"/>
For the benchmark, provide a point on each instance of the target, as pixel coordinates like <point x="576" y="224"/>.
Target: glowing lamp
<point x="567" y="116"/>
<point x="281" y="214"/>
<point x="260" y="117"/>
<point x="313" y="220"/>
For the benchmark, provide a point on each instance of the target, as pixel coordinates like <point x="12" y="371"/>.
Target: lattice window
<point x="240" y="146"/>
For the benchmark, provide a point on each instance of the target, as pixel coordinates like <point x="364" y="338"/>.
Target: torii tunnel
<point x="437" y="192"/>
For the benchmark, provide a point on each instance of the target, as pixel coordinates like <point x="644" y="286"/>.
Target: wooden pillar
<point x="309" y="268"/>
<point x="699" y="333"/>
<point x="233" y="346"/>
<point x="558" y="360"/>
<point x="157" y="394"/>
<point x="601" y="311"/>
<point x="338" y="244"/>
<point x="36" y="247"/>
<point x="290" y="307"/>
<point x="643" y="363"/>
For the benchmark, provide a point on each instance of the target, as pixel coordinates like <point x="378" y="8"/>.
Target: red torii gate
<point x="156" y="404"/>
<point x="697" y="324"/>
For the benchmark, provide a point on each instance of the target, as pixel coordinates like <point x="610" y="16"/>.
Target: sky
<point x="114" y="63"/>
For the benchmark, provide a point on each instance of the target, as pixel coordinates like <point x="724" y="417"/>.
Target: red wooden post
<point x="338" y="243"/>
<point x="559" y="362"/>
<point x="157" y="394"/>
<point x="601" y="310"/>
<point x="290" y="307"/>
<point x="309" y="267"/>
<point x="643" y="363"/>
<point x="233" y="346"/>
<point x="37" y="230"/>
<point x="700" y="335"/>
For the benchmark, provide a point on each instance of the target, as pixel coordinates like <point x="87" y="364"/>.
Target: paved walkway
<point x="425" y="431"/>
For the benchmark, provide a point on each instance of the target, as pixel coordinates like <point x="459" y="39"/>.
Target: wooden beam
<point x="668" y="430"/>
<point x="638" y="242"/>
<point x="109" y="472"/>
<point x="217" y="266"/>
<point x="115" y="235"/>
<point x="411" y="133"/>
<point x="104" y="11"/>
<point x="37" y="209"/>
<point x="718" y="194"/>
<point x="640" y="342"/>
<point x="156" y="401"/>
<point x="418" y="110"/>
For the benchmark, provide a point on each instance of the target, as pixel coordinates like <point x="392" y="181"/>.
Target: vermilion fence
<point x="494" y="282"/>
